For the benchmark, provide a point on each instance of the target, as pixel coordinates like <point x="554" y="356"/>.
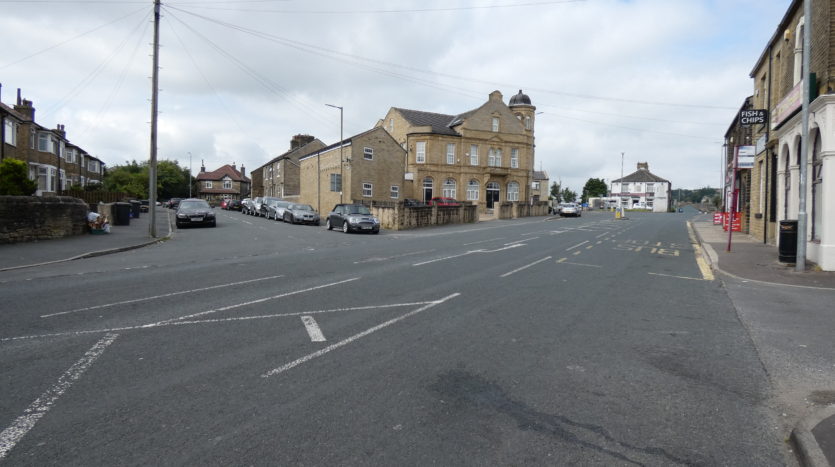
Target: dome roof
<point x="520" y="99"/>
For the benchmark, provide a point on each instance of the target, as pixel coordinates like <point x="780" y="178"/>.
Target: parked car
<point x="267" y="203"/>
<point x="302" y="214"/>
<point x="256" y="206"/>
<point x="247" y="205"/>
<point x="570" y="209"/>
<point x="194" y="211"/>
<point x="233" y="205"/>
<point x="350" y="217"/>
<point x="174" y="202"/>
<point x="412" y="203"/>
<point x="224" y="203"/>
<point x="441" y="201"/>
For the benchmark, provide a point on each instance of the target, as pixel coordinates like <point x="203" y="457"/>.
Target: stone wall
<point x="33" y="218"/>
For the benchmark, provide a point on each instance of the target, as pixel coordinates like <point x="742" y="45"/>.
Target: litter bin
<point x="788" y="242"/>
<point x="135" y="208"/>
<point x="121" y="213"/>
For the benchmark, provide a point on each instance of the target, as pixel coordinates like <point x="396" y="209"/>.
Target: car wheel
<point x="376" y="232"/>
<point x="345" y="227"/>
<point x="328" y="224"/>
<point x="214" y="224"/>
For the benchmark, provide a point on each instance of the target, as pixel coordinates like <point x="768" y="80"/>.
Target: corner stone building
<point x="485" y="156"/>
<point x="371" y="170"/>
<point x="280" y="177"/>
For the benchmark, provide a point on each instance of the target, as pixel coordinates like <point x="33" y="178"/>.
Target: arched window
<point x="449" y="188"/>
<point x="513" y="191"/>
<point x="817" y="187"/>
<point x="472" y="190"/>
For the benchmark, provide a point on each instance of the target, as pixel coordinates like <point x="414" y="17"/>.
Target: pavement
<point x="751" y="260"/>
<point x="120" y="238"/>
<point x="748" y="259"/>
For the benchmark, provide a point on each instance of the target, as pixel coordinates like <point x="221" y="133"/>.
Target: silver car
<point x="569" y="209"/>
<point x="275" y="210"/>
<point x="302" y="214"/>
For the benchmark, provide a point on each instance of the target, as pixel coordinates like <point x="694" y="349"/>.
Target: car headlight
<point x="181" y="216"/>
<point x="353" y="220"/>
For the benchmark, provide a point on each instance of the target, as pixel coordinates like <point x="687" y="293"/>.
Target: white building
<point x="642" y="190"/>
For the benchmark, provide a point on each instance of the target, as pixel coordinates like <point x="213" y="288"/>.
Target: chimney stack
<point x="299" y="141"/>
<point x="202" y="166"/>
<point x="643" y="165"/>
<point x="243" y="171"/>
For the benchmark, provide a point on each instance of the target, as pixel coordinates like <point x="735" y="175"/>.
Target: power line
<point x="199" y="4"/>
<point x="330" y="53"/>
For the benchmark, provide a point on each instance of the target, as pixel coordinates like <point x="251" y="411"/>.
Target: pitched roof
<point x="540" y="175"/>
<point x="440" y="123"/>
<point x="641" y="175"/>
<point x="224" y="171"/>
<point x="345" y="142"/>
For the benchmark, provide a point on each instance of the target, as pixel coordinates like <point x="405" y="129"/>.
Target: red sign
<point x="736" y="223"/>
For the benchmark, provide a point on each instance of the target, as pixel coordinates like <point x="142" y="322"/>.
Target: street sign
<point x="753" y="117"/>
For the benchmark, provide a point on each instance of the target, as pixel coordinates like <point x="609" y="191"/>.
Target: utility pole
<point x="800" y="262"/>
<point x="189" y="174"/>
<point x="152" y="166"/>
<point x="341" y="183"/>
<point x="622" y="208"/>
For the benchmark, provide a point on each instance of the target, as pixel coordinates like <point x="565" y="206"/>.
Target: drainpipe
<point x="767" y="151"/>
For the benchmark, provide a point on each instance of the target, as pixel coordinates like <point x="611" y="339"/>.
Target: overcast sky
<point x="657" y="80"/>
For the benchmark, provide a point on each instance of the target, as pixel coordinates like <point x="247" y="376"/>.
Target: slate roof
<point x="440" y="123"/>
<point x="642" y="176"/>
<point x="540" y="175"/>
<point x="224" y="171"/>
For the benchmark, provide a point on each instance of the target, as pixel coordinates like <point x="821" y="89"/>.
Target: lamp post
<point x="622" y="208"/>
<point x="189" y="174"/>
<point x="340" y="149"/>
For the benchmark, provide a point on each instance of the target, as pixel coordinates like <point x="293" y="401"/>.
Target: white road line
<point x="469" y="253"/>
<point x="18" y="429"/>
<point x="677" y="277"/>
<point x="563" y="261"/>
<point x="484" y="241"/>
<point x="577" y="245"/>
<point x="206" y="321"/>
<point x="386" y="258"/>
<point x="525" y="267"/>
<point x="124" y="302"/>
<point x="313" y="329"/>
<point x="353" y="338"/>
<point x="520" y="241"/>
<point x="260" y="300"/>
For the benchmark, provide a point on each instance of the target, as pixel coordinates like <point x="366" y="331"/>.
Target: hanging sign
<point x="753" y="117"/>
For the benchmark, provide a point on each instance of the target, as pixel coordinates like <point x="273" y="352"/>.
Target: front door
<point x="492" y="194"/>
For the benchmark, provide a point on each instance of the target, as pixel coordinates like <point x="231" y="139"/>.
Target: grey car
<point x="353" y="217"/>
<point x="302" y="214"/>
<point x="276" y="208"/>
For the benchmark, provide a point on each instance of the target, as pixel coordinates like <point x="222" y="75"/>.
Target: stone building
<point x="280" y="176"/>
<point x="738" y="181"/>
<point x="485" y="155"/>
<point x="778" y="88"/>
<point x="224" y="183"/>
<point x="540" y="189"/>
<point x="371" y="170"/>
<point x="54" y="163"/>
<point x="642" y="190"/>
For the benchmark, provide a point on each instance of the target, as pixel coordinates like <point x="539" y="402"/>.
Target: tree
<point x="555" y="192"/>
<point x="568" y="195"/>
<point x="14" y="180"/>
<point x="595" y="188"/>
<point x="133" y="178"/>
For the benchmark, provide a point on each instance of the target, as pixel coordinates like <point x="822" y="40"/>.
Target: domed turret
<point x="520" y="99"/>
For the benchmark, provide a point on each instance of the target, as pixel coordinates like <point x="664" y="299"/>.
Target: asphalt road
<point x="587" y="341"/>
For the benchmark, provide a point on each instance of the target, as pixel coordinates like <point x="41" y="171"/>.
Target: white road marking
<point x="469" y="253"/>
<point x="207" y="321"/>
<point x="18" y="429"/>
<point x="577" y="245"/>
<point x="677" y="277"/>
<point x="353" y="338"/>
<point x="313" y="329"/>
<point x="520" y="241"/>
<point x="124" y="302"/>
<point x="564" y="261"/>
<point x="260" y="300"/>
<point x="602" y="235"/>
<point x="484" y="241"/>
<point x="525" y="267"/>
<point x="385" y="258"/>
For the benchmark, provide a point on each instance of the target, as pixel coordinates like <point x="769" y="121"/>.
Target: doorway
<point x="492" y="194"/>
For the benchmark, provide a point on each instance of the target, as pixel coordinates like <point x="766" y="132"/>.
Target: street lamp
<point x="341" y="190"/>
<point x="622" y="208"/>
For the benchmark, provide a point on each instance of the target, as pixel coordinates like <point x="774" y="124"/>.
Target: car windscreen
<point x="194" y="205"/>
<point x="358" y="209"/>
<point x="301" y="207"/>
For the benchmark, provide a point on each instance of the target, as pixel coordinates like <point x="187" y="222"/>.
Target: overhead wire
<point x="105" y="107"/>
<point x="91" y="77"/>
<point x="59" y="44"/>
<point x="199" y="4"/>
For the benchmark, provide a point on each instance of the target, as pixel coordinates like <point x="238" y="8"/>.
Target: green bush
<point x="14" y="180"/>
